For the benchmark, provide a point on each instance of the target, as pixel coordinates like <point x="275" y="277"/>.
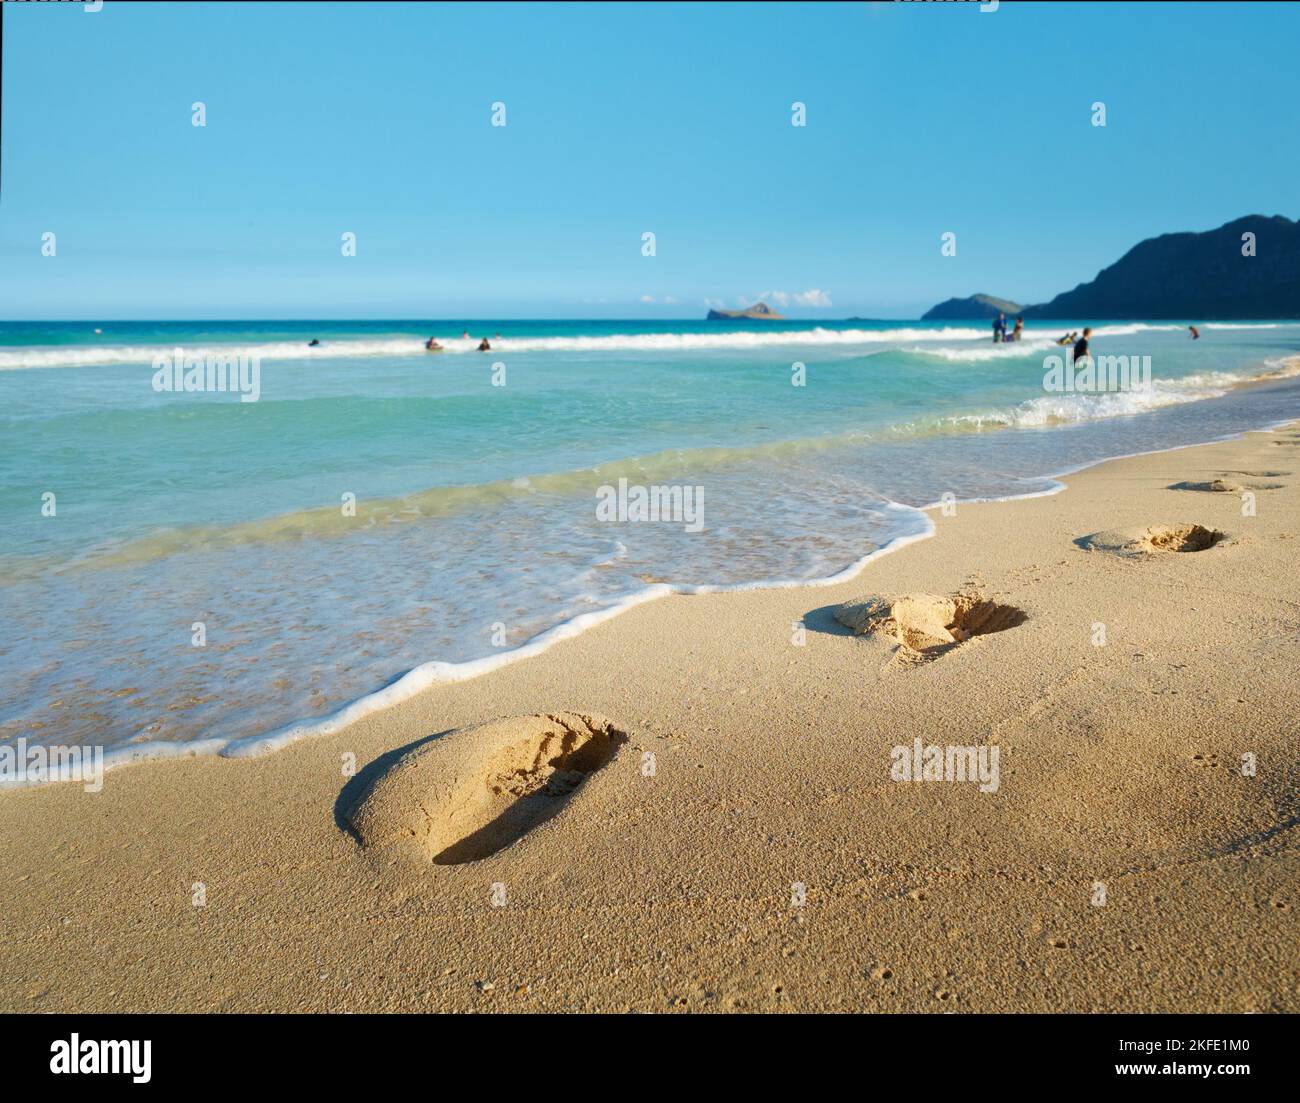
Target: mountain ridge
<point x="971" y="308"/>
<point x="1186" y="274"/>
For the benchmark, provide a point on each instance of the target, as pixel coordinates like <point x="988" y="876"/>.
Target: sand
<point x="693" y="809"/>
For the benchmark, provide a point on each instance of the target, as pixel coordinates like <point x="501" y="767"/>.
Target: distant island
<point x="1214" y="274"/>
<point x="758" y="312"/>
<point x="975" y="307"/>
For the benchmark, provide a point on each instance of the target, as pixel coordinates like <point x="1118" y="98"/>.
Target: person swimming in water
<point x="483" y="346"/>
<point x="1196" y="333"/>
<point x="313" y="343"/>
<point x="432" y="345"/>
<point x="465" y="336"/>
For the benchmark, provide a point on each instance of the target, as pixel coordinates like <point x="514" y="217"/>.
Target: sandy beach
<point x="717" y="828"/>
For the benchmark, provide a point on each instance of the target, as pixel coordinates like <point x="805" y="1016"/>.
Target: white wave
<point x="733" y="339"/>
<point x="95" y="355"/>
<point x="990" y="351"/>
<point x="1281" y="367"/>
<point x="1137" y="327"/>
<point x="65" y="356"/>
<point x="1126" y="329"/>
<point x="1054" y="409"/>
<point x="1249" y="325"/>
<point x="1130" y="328"/>
<point x="79" y="356"/>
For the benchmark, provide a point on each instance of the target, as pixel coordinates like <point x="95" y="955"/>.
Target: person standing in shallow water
<point x="999" y="327"/>
<point x="1081" y="345"/>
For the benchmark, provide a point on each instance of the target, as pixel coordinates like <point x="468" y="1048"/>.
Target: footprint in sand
<point x="926" y="626"/>
<point x="473" y="792"/>
<point x="1153" y="540"/>
<point x="1224" y="485"/>
<point x="1217" y="486"/>
<point x="1179" y="538"/>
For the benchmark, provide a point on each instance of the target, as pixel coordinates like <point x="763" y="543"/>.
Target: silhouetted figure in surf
<point x="1081" y="345"/>
<point x="483" y="346"/>
<point x="1196" y="333"/>
<point x="313" y="343"/>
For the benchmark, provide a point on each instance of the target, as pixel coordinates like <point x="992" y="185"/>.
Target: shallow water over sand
<point x="474" y="527"/>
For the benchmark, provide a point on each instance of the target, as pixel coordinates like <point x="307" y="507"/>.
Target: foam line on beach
<point x="1055" y="477"/>
<point x="437" y="672"/>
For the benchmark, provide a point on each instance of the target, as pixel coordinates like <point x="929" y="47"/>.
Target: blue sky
<point x="374" y="118"/>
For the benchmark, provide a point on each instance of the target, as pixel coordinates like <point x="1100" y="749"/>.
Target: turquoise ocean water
<point x="475" y="529"/>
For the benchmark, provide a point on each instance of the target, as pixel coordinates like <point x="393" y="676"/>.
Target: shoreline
<point x="431" y="673"/>
<point x="673" y="890"/>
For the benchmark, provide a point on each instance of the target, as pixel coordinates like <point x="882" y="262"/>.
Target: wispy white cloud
<point x="814" y="296"/>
